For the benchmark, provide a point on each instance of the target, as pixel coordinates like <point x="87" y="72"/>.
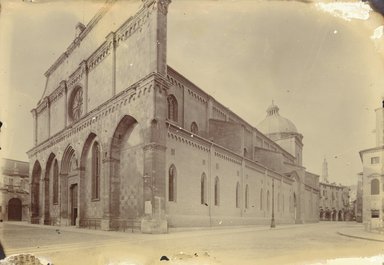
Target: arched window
<point x="261" y="199"/>
<point x="246" y="197"/>
<point x="96" y="171"/>
<point x="172" y="108"/>
<point x="55" y="182"/>
<point x="245" y="152"/>
<point x="203" y="196"/>
<point x="172" y="184"/>
<point x="217" y="191"/>
<point x="267" y="200"/>
<point x="237" y="195"/>
<point x="194" y="128"/>
<point x="375" y="187"/>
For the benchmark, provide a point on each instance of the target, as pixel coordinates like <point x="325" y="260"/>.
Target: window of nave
<point x="204" y="190"/>
<point x="237" y="195"/>
<point x="194" y="128"/>
<point x="172" y="108"/>
<point x="217" y="191"/>
<point x="95" y="171"/>
<point x="172" y="174"/>
<point x="55" y="182"/>
<point x="375" y="187"/>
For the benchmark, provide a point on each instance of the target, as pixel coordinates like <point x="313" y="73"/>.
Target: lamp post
<point x="273" y="225"/>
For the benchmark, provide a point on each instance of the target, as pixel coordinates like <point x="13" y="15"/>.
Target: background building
<point x="123" y="140"/>
<point x="14" y="190"/>
<point x="373" y="180"/>
<point x="334" y="199"/>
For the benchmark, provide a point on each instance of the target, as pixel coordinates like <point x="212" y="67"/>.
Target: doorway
<point x="73" y="203"/>
<point x="14" y="209"/>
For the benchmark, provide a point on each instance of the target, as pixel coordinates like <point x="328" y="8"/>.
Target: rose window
<point x="77" y="105"/>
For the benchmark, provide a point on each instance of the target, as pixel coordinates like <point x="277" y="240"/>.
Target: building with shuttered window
<point x="14" y="190"/>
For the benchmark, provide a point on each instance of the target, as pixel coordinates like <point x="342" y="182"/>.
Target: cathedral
<point x="124" y="141"/>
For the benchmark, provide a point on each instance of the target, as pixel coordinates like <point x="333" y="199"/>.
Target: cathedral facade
<point x="124" y="141"/>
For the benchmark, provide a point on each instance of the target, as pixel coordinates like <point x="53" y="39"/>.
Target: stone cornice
<point x="132" y="24"/>
<point x="58" y="92"/>
<point x="43" y="105"/>
<point x="142" y="88"/>
<point x="100" y="54"/>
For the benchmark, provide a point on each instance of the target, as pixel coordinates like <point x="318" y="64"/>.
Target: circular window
<point x="76" y="104"/>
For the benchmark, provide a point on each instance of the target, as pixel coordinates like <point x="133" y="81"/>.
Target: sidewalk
<point x="357" y="231"/>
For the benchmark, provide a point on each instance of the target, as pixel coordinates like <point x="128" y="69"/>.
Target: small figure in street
<point x="2" y="253"/>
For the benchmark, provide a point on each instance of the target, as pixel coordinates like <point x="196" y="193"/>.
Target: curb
<point x="359" y="237"/>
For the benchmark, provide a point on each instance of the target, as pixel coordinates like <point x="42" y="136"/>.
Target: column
<point x="63" y="189"/>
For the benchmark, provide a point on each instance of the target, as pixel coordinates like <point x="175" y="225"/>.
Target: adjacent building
<point x="334" y="199"/>
<point x="14" y="190"/>
<point x="123" y="140"/>
<point x="373" y="178"/>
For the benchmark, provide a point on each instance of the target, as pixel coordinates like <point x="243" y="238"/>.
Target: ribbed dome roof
<point x="274" y="123"/>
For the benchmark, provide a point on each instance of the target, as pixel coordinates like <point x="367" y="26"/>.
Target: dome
<point x="274" y="123"/>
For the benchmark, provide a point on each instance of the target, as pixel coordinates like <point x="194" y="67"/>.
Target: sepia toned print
<point x="192" y="132"/>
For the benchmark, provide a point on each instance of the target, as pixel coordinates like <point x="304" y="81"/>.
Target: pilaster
<point x="34" y="114"/>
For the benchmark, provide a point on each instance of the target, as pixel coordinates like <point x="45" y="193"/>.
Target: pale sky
<point x="325" y="73"/>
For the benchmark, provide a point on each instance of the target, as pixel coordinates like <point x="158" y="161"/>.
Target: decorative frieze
<point x="100" y="54"/>
<point x="227" y="158"/>
<point x="132" y="25"/>
<point x="76" y="76"/>
<point x="219" y="113"/>
<point x="188" y="141"/>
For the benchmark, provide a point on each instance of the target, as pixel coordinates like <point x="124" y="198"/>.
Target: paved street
<point x="289" y="244"/>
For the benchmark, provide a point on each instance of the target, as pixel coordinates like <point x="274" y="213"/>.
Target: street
<point x="287" y="244"/>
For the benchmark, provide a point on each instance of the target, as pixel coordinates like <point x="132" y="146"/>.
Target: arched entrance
<point x="35" y="193"/>
<point x="69" y="179"/>
<point x="126" y="171"/>
<point x="14" y="210"/>
<point x="48" y="175"/>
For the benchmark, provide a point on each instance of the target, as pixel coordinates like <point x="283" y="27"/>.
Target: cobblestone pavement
<point x="288" y="244"/>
